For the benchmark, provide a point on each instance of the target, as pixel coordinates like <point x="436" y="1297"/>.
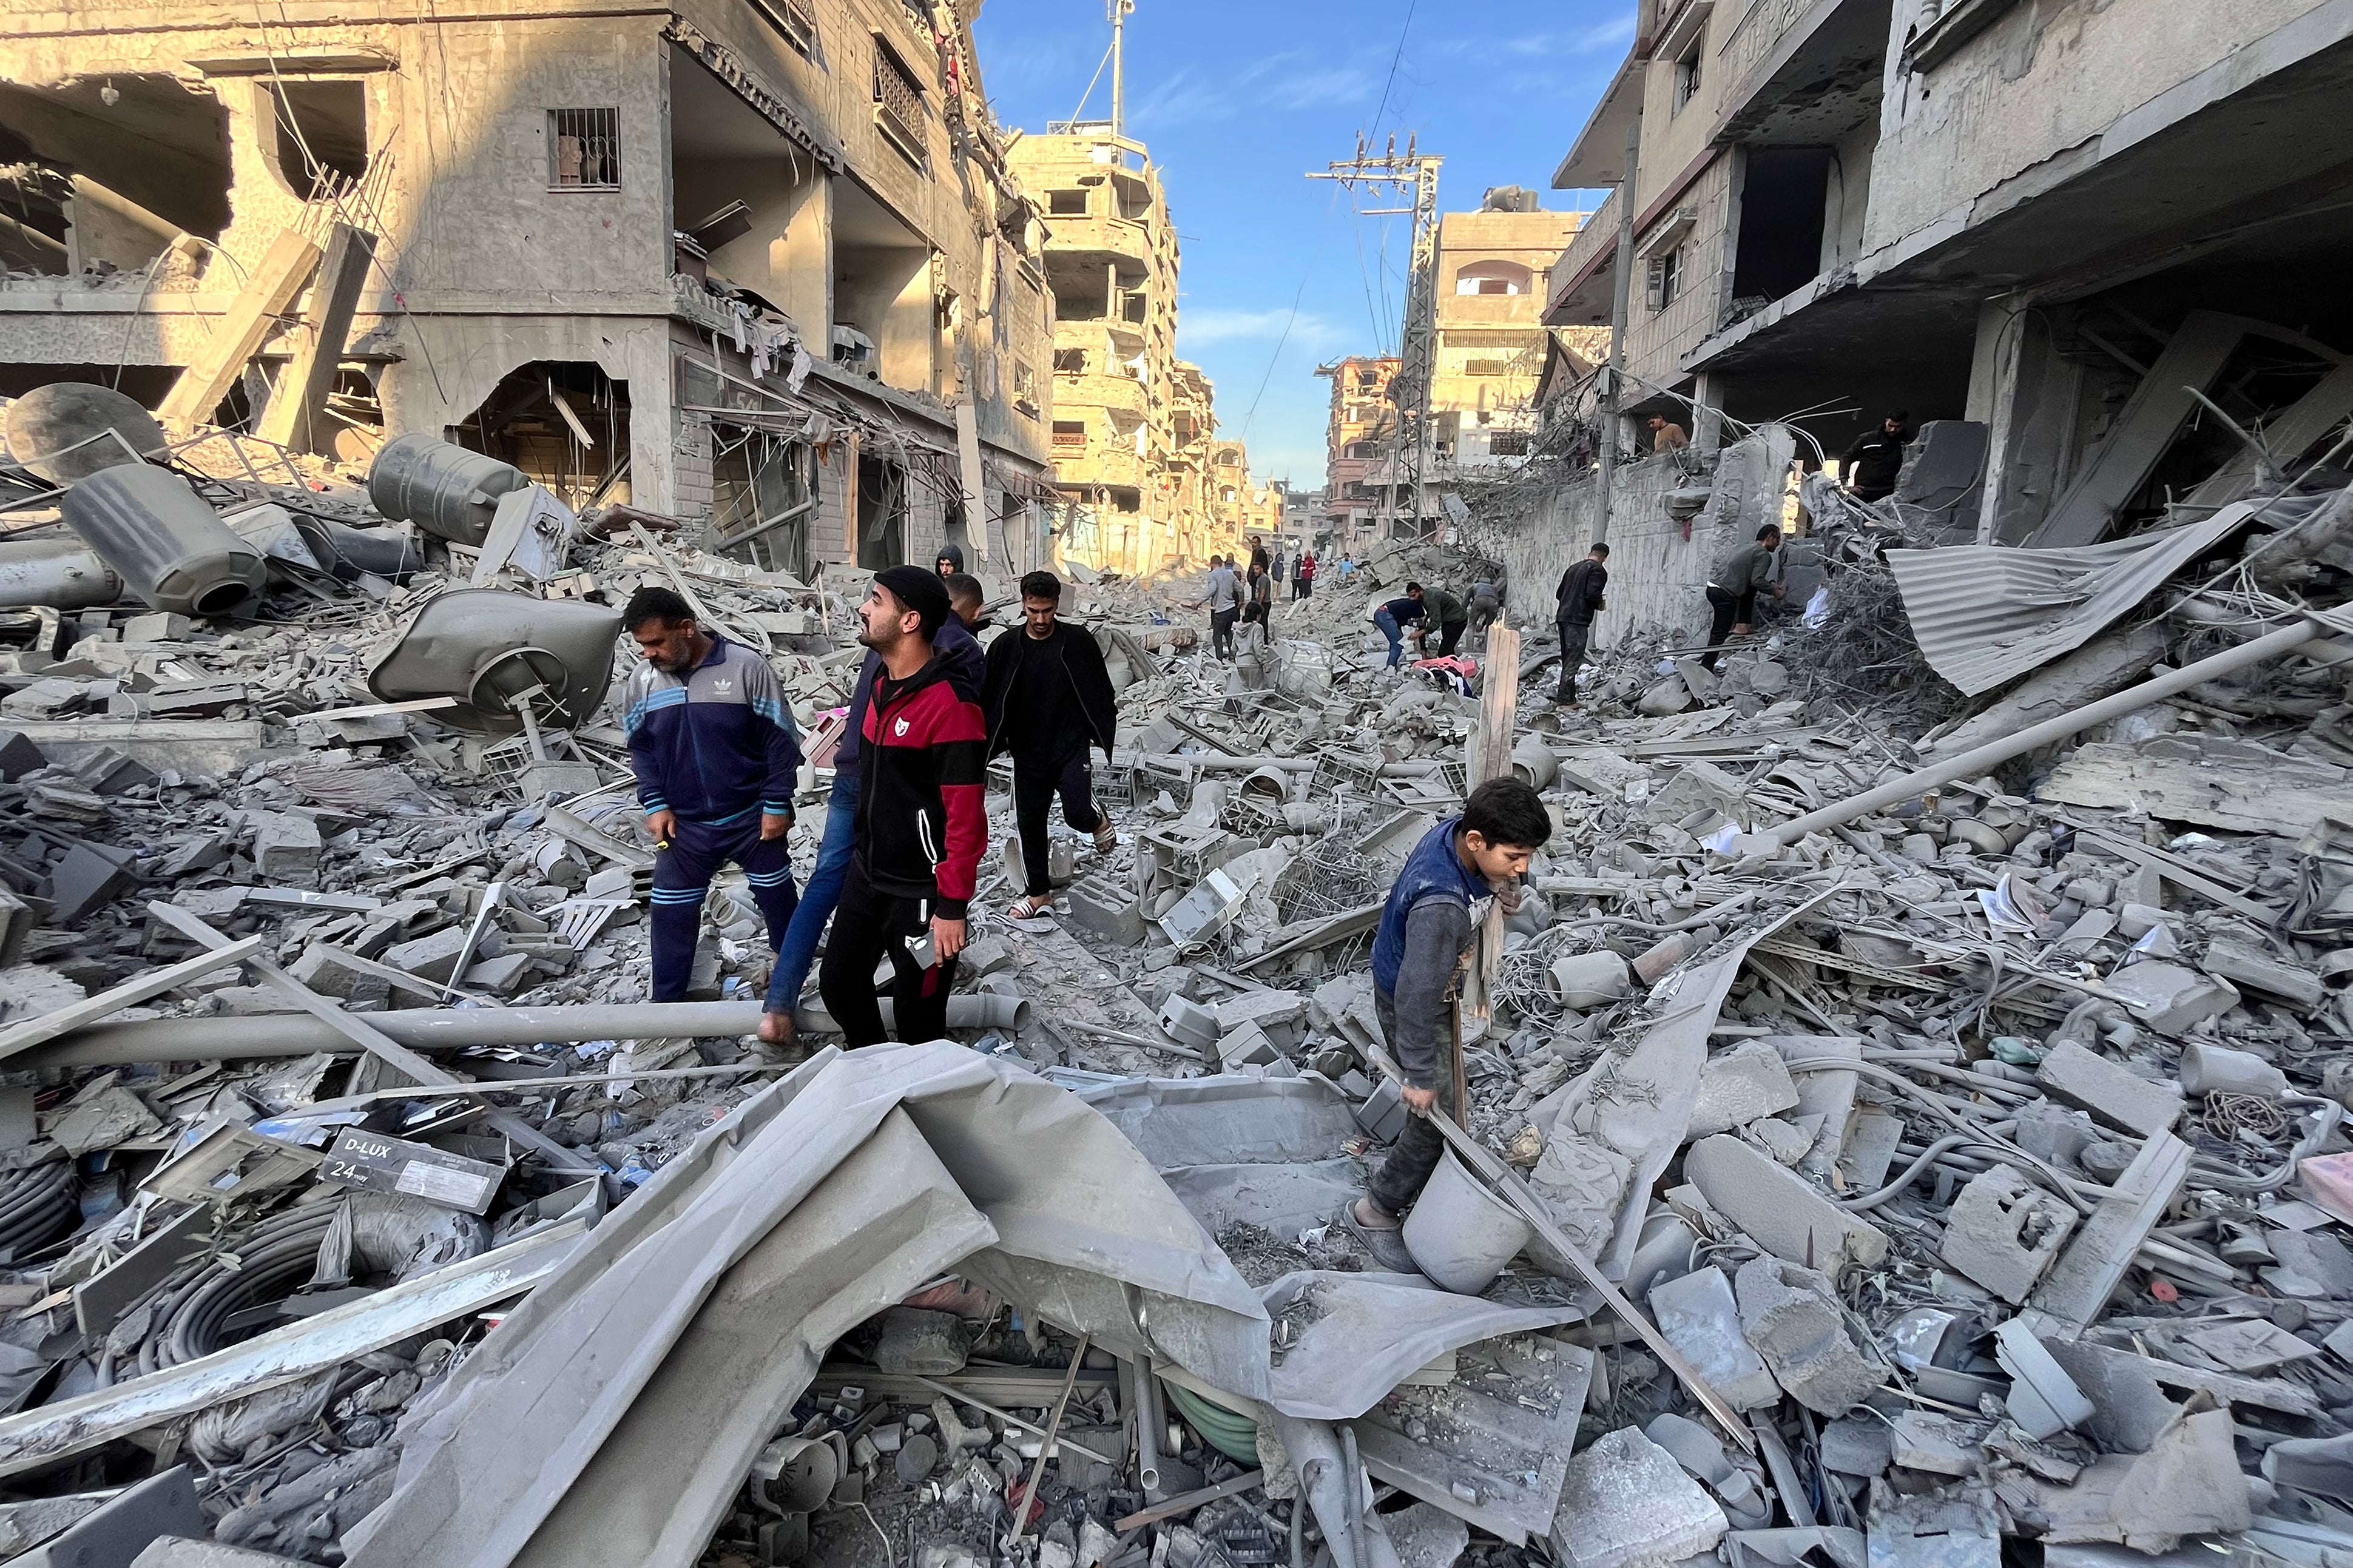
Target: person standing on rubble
<point x="1396" y="615"/>
<point x="1575" y="602"/>
<point x="1259" y="589"/>
<point x="1303" y="576"/>
<point x="966" y="668"/>
<point x="1448" y="614"/>
<point x="951" y="560"/>
<point x="1871" y="464"/>
<point x="920" y="823"/>
<point x="717" y="758"/>
<point x="1224" y="597"/>
<point x="1049" y="698"/>
<point x="1428" y="926"/>
<point x="1732" y="591"/>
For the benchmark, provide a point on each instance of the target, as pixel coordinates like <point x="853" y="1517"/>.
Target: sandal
<point x="1030" y="908"/>
<point x="1106" y="839"/>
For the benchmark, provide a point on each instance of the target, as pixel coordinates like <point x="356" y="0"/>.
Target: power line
<point x="1375" y="128"/>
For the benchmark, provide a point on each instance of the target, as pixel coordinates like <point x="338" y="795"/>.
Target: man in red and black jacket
<point x="921" y="826"/>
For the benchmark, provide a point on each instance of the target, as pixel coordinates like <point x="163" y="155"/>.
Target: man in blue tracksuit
<point x="716" y="757"/>
<point x="798" y="952"/>
<point x="1394" y="617"/>
<point x="1427" y="930"/>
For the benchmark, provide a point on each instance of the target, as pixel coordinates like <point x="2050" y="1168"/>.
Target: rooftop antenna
<point x="1118" y="11"/>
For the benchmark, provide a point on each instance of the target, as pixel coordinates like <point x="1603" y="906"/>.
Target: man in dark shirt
<point x="1871" y="464"/>
<point x="1732" y="592"/>
<point x="1576" y="602"/>
<point x="1452" y="614"/>
<point x="1396" y="615"/>
<point x="1427" y="931"/>
<point x="1049" y="698"/>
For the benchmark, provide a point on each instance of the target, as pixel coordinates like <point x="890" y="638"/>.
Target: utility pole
<point x="1418" y="349"/>
<point x="1118" y="10"/>
<point x="1622" y="307"/>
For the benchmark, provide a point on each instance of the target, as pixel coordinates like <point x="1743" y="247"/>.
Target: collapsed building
<point x="2087" y="249"/>
<point x="764" y="263"/>
<point x="1902" y="1126"/>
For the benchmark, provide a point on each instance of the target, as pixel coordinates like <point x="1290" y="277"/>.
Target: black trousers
<point x="1405" y="1172"/>
<point x="1729" y="610"/>
<point x="1574" y="636"/>
<point x="1221" y="632"/>
<point x="868" y="924"/>
<point x="1450" y="633"/>
<point x="1036" y="782"/>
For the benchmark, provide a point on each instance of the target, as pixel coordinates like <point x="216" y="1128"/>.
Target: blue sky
<point x="1237" y="99"/>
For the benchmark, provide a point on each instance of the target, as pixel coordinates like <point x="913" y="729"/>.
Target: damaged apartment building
<point x="2090" y="248"/>
<point x="1143" y="484"/>
<point x="1493" y="349"/>
<point x="760" y="269"/>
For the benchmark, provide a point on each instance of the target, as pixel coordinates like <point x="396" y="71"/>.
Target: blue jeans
<point x="1388" y="622"/>
<point x="798" y="950"/>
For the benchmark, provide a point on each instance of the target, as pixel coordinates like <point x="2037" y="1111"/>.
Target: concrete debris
<point x="1958" y="1118"/>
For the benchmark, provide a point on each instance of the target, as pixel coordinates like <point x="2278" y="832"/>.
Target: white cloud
<point x="1204" y="325"/>
<point x="1291" y="80"/>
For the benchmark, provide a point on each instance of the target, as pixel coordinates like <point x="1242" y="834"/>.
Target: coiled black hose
<point x="273" y="1259"/>
<point x="38" y="1205"/>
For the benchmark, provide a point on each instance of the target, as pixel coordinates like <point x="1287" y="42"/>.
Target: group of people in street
<point x="718" y="757"/>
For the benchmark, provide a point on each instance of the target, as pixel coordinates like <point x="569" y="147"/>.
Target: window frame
<point x="556" y="131"/>
<point x="909" y="138"/>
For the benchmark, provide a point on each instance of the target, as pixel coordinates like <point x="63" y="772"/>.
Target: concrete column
<point x="1707" y="420"/>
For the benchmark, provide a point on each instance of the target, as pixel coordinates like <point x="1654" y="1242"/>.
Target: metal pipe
<point x="2287" y="640"/>
<point x="63" y="574"/>
<point x="1147" y="1438"/>
<point x="444" y="1029"/>
<point x="1353" y="1498"/>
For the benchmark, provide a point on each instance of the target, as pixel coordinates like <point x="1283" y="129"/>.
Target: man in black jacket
<point x="1871" y="464"/>
<point x="1048" y="698"/>
<point x="1578" y="601"/>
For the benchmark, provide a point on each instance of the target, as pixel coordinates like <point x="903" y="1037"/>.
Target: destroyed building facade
<point x="1491" y="266"/>
<point x="759" y="266"/>
<point x="2044" y="232"/>
<point x="1132" y="422"/>
<point x="1361" y="424"/>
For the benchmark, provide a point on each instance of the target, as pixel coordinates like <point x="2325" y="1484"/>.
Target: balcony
<point x="1801" y="72"/>
<point x="1097" y="462"/>
<point x="1128" y="237"/>
<point x="1123" y="397"/>
<point x="1583" y="280"/>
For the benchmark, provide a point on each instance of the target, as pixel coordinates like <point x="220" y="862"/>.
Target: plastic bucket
<point x="1459" y="1232"/>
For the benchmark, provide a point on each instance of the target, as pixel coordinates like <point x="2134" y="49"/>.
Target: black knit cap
<point x="920" y="591"/>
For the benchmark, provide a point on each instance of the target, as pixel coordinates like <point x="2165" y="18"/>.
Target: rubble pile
<point x="1895" y="1128"/>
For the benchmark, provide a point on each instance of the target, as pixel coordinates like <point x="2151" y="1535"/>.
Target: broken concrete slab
<point x="2004" y="1232"/>
<point x="1785" y="1214"/>
<point x="1625" y="1503"/>
<point x="1701" y="1320"/>
<point x="1739" y="1087"/>
<point x="1792" y="1315"/>
<point x="2113" y="1094"/>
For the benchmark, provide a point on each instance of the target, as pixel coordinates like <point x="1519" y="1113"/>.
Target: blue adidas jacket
<point x="716" y="745"/>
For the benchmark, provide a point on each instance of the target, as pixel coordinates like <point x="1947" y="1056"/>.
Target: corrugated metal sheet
<point x="1986" y="614"/>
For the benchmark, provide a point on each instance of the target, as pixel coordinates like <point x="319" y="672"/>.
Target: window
<point x="1369" y="377"/>
<point x="1066" y="204"/>
<point x="794" y="20"/>
<point x="1486" y="367"/>
<point x="1025" y="388"/>
<point x="1686" y="78"/>
<point x="1665" y="281"/>
<point x="1070" y="435"/>
<point x="898" y="101"/>
<point x="1071" y="361"/>
<point x="1493" y="278"/>
<point x="584" y="149"/>
<point x="1508" y="443"/>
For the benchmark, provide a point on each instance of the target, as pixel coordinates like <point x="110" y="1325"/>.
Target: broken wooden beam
<point x="239" y="334"/>
<point x="297" y="414"/>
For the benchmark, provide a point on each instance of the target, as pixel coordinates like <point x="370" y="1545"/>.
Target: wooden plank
<point x="2076" y="1290"/>
<point x="287" y="265"/>
<point x="369" y="1038"/>
<point x="62" y="1020"/>
<point x="297" y="414"/>
<point x="1488" y="756"/>
<point x="1506" y="1184"/>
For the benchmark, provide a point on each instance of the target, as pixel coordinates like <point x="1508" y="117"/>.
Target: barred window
<point x="584" y="149"/>
<point x="898" y="101"/>
<point x="793" y="19"/>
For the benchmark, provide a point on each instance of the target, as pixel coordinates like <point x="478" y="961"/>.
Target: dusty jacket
<point x="1074" y="648"/>
<point x="922" y="819"/>
<point x="1743" y="570"/>
<point x="1578" y="598"/>
<point x="713" y="745"/>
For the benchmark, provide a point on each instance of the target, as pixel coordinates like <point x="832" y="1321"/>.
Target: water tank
<point x="64" y="574"/>
<point x="442" y="488"/>
<point x="69" y="429"/>
<point x="171" y="549"/>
